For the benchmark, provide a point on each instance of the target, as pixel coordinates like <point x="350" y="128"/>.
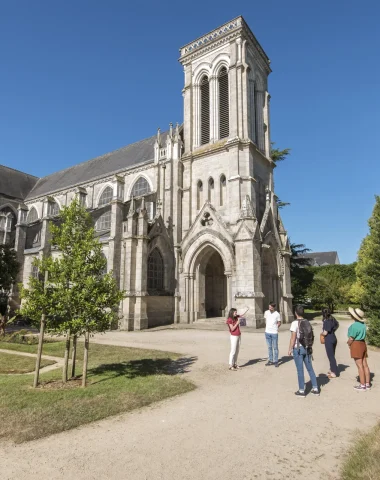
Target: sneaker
<point x="276" y="365"/>
<point x="360" y="388"/>
<point x="300" y="394"/>
<point x="368" y="386"/>
<point x="268" y="363"/>
<point x="315" y="392"/>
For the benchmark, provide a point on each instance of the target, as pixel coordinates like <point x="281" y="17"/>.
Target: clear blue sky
<point x="81" y="78"/>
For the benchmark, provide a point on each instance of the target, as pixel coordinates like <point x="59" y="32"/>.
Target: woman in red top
<point x="233" y="323"/>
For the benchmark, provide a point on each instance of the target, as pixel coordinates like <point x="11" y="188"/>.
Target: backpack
<point x="306" y="334"/>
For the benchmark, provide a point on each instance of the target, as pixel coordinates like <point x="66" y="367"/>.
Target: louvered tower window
<point x="222" y="190"/>
<point x="205" y="111"/>
<point x="199" y="194"/>
<point x="224" y="114"/>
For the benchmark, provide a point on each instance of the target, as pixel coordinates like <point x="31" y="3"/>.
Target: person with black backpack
<point x="301" y="347"/>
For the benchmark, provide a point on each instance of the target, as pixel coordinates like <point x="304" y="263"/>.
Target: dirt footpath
<point x="236" y="425"/>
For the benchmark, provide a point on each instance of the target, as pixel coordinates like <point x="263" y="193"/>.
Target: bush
<point x="374" y="330"/>
<point x="23" y="337"/>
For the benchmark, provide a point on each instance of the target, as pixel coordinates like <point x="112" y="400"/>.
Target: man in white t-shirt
<point x="272" y="322"/>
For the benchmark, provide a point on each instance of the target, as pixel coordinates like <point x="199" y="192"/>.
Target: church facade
<point x="187" y="218"/>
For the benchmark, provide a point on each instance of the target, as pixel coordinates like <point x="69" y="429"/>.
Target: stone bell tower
<point x="229" y="210"/>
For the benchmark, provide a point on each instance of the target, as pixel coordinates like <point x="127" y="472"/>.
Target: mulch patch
<point x="59" y="385"/>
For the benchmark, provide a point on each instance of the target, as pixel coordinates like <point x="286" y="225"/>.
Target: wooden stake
<point x="85" y="358"/>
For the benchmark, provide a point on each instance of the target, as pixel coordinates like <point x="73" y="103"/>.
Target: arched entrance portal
<point x="212" y="284"/>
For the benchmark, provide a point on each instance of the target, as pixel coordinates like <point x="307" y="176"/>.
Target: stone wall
<point x="160" y="310"/>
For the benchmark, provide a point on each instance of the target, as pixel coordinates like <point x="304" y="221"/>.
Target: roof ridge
<point x="19" y="171"/>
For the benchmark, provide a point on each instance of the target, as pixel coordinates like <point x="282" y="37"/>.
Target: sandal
<point x="232" y="368"/>
<point x="237" y="367"/>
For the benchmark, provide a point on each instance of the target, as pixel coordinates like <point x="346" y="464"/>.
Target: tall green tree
<point x="368" y="273"/>
<point x="9" y="268"/>
<point x="79" y="299"/>
<point x="301" y="277"/>
<point x="331" y="285"/>
<point x="277" y="156"/>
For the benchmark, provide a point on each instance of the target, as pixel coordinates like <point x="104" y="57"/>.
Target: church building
<point x="187" y="218"/>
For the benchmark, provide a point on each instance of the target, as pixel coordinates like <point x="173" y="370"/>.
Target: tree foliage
<point x="301" y="277"/>
<point x="368" y="273"/>
<point x="278" y="155"/>
<point x="9" y="268"/>
<point x="331" y="285"/>
<point x="78" y="298"/>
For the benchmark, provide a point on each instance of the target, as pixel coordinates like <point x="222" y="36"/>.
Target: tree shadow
<point x="142" y="368"/>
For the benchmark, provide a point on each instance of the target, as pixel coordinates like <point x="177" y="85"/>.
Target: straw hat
<point x="357" y="314"/>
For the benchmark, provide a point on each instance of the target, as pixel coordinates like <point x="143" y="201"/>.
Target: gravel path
<point x="236" y="425"/>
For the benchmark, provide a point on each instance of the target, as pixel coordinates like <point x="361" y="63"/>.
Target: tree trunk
<point x="85" y="357"/>
<point x="39" y="351"/>
<point x="74" y="356"/>
<point x="66" y="359"/>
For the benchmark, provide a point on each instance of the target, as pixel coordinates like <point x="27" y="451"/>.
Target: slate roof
<point x="15" y="184"/>
<point x="132" y="155"/>
<point x="319" y="259"/>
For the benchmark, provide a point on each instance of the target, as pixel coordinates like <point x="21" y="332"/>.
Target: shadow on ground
<point x="143" y="368"/>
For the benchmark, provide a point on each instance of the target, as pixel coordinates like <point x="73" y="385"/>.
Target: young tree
<point x="9" y="268"/>
<point x="368" y="273"/>
<point x="82" y="299"/>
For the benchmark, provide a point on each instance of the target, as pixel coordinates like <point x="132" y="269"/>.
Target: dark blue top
<point x="330" y="326"/>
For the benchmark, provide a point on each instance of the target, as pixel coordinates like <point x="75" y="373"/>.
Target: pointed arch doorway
<point x="211" y="283"/>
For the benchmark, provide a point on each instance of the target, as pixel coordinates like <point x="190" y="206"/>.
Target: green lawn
<point x="363" y="460"/>
<point x="119" y="379"/>
<point x="10" y="363"/>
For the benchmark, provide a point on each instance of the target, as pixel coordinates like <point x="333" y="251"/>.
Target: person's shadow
<point x="253" y="362"/>
<point x="372" y="376"/>
<point x="281" y="361"/>
<point x="322" y="380"/>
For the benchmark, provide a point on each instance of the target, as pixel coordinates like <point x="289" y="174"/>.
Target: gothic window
<point x="3" y="221"/>
<point x="199" y="194"/>
<point x="211" y="190"/>
<point x="104" y="270"/>
<point x="103" y="222"/>
<point x="222" y="190"/>
<point x="34" y="272"/>
<point x="32" y="215"/>
<point x="224" y="115"/>
<point x="205" y="110"/>
<point x="155" y="271"/>
<point x="140" y="188"/>
<point x="105" y="197"/>
<point x="53" y="209"/>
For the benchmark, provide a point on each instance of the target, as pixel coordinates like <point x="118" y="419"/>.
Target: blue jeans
<point x="272" y="343"/>
<point x="301" y="357"/>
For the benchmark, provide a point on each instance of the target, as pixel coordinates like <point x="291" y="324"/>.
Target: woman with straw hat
<point x="357" y="333"/>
